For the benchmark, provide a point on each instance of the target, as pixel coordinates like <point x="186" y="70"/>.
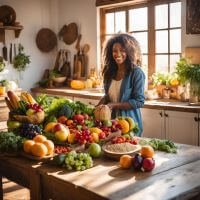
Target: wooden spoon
<point x="86" y="48"/>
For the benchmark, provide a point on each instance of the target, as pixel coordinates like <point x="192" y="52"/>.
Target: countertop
<point x="95" y="94"/>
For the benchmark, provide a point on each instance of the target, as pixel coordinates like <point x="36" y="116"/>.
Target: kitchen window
<point x="157" y="27"/>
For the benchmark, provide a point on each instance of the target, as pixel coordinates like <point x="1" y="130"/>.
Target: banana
<point x="23" y="96"/>
<point x="14" y="99"/>
<point x="131" y="122"/>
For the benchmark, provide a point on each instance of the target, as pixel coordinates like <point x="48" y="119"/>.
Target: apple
<point x="86" y="116"/>
<point x="61" y="135"/>
<point x="30" y="112"/>
<point x="78" y="118"/>
<point x="13" y="124"/>
<point x="148" y="164"/>
<point x="57" y="127"/>
<point x="102" y="135"/>
<point x="107" y="123"/>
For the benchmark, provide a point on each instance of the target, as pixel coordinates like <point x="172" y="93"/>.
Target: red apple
<point x="148" y="164"/>
<point x="57" y="127"/>
<point x="78" y="117"/>
<point x="102" y="135"/>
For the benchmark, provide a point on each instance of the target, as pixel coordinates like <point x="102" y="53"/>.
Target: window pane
<point x="161" y="17"/>
<point x="120" y="23"/>
<point x="175" y="14"/>
<point x="109" y="23"/>
<point x="138" y="19"/>
<point x="161" y="41"/>
<point x="162" y="63"/>
<point x="173" y="60"/>
<point x="142" y="39"/>
<point x="175" y="41"/>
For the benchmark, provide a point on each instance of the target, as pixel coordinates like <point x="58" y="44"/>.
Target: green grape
<point x="77" y="163"/>
<point x="80" y="162"/>
<point x="67" y="161"/>
<point x="83" y="168"/>
<point x="69" y="167"/>
<point x="71" y="162"/>
<point x="72" y="153"/>
<point x="78" y="168"/>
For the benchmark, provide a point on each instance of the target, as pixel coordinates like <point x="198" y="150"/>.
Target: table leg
<point x="35" y="192"/>
<point x="1" y="187"/>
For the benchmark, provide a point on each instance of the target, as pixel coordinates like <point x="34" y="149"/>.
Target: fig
<point x="137" y="161"/>
<point x="148" y="164"/>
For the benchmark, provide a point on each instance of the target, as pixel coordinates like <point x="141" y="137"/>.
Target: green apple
<point x="30" y="112"/>
<point x="95" y="150"/>
<point x="13" y="124"/>
<point x="61" y="135"/>
<point x="107" y="123"/>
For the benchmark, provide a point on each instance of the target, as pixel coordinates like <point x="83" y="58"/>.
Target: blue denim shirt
<point x="132" y="91"/>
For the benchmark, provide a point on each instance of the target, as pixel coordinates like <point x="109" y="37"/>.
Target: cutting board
<point x="193" y="53"/>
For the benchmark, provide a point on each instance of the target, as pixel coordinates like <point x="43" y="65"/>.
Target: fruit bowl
<point x="115" y="151"/>
<point x="59" y="79"/>
<point x="36" y="118"/>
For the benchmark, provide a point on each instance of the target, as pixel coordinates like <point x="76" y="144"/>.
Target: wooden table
<point x="176" y="176"/>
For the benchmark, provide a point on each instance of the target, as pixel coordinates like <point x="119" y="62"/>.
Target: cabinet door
<point x="153" y="123"/>
<point x="91" y="102"/>
<point x="182" y="127"/>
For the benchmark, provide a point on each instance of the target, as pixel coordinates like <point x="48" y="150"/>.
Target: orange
<point x="27" y="145"/>
<point x="39" y="138"/>
<point x="126" y="161"/>
<point x="147" y="152"/>
<point x="50" y="146"/>
<point x="69" y="122"/>
<point x="39" y="149"/>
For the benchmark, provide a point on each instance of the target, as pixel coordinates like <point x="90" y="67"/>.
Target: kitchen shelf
<point x="16" y="29"/>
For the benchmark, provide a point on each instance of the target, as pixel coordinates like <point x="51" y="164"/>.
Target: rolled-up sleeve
<point x="138" y="81"/>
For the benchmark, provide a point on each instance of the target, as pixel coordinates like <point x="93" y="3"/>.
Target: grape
<point x="29" y="130"/>
<point x="78" y="161"/>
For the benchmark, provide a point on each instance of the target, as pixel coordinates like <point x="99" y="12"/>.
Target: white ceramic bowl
<point x="59" y="79"/>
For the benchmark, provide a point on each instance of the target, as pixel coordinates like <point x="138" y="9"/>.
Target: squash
<point x="102" y="113"/>
<point x="77" y="84"/>
<point x="125" y="125"/>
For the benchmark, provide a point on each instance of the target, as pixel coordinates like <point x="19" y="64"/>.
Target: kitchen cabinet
<point x="153" y="123"/>
<point x="91" y="102"/>
<point x="182" y="127"/>
<point x="179" y="127"/>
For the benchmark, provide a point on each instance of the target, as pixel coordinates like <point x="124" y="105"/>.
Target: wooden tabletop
<point x="169" y="104"/>
<point x="174" y="176"/>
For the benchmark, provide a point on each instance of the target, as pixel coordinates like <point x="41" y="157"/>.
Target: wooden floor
<point x="13" y="191"/>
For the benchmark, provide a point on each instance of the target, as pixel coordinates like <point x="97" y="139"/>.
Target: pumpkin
<point x="102" y="113"/>
<point x="125" y="125"/>
<point x="77" y="84"/>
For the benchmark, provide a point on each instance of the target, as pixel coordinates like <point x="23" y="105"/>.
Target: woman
<point x="123" y="78"/>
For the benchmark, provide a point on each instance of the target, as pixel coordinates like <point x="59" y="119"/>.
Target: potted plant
<point x="2" y="64"/>
<point x="21" y="60"/>
<point x="189" y="73"/>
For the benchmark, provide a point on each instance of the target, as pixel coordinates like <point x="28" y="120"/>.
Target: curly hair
<point x="133" y="51"/>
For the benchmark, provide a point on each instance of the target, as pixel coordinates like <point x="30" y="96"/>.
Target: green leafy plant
<point x="2" y="64"/>
<point x="21" y="60"/>
<point x="189" y="73"/>
<point x="52" y="74"/>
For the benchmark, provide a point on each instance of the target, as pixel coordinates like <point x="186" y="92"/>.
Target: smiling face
<point x="119" y="53"/>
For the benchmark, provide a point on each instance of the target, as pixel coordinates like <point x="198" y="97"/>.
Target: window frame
<point x="151" y="28"/>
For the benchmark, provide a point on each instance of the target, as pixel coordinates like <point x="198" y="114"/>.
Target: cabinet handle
<point x="196" y="119"/>
<point x="166" y="115"/>
<point x="160" y="113"/>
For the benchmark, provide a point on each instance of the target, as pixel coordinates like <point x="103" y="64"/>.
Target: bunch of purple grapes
<point x="29" y="130"/>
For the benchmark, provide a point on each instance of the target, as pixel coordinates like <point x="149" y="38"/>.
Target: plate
<point x="117" y="155"/>
<point x="42" y="159"/>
